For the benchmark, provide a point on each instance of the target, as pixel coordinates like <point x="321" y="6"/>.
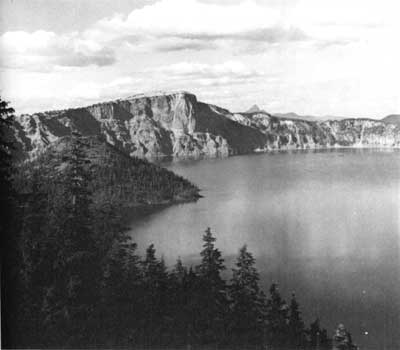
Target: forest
<point x="72" y="278"/>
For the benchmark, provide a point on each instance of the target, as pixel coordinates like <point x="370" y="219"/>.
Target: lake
<point x="325" y="224"/>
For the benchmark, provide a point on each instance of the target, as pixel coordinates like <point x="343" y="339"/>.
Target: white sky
<point x="316" y="57"/>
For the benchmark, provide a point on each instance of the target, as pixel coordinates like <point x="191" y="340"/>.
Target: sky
<point x="312" y="57"/>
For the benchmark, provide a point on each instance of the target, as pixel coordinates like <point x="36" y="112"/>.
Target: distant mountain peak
<point x="254" y="109"/>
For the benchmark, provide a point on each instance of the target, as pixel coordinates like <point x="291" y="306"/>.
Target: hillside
<point x="178" y="125"/>
<point x="117" y="179"/>
<point x="392" y="119"/>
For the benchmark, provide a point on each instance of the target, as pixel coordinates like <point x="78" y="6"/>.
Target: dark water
<point x="323" y="224"/>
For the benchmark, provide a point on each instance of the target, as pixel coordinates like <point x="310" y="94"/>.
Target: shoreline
<point x="159" y="160"/>
<point x="137" y="211"/>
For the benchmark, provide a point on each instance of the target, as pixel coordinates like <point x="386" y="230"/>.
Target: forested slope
<point x="114" y="177"/>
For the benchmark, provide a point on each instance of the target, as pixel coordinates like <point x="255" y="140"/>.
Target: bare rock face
<point x="177" y="125"/>
<point x="145" y="126"/>
<point x="364" y="133"/>
<point x="287" y="133"/>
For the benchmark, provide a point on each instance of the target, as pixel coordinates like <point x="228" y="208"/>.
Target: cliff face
<point x="364" y="133"/>
<point x="145" y="126"/>
<point x="178" y="125"/>
<point x="284" y="133"/>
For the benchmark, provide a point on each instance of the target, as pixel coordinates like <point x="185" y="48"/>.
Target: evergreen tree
<point x="38" y="254"/>
<point x="6" y="148"/>
<point x="10" y="253"/>
<point x="179" y="272"/>
<point x="318" y="337"/>
<point x="179" y="303"/>
<point x="211" y="307"/>
<point x="121" y="291"/>
<point x="155" y="281"/>
<point x="71" y="298"/>
<point x="277" y="317"/>
<point x="247" y="316"/>
<point x="295" y="325"/>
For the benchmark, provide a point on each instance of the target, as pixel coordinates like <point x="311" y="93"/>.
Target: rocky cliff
<point x="176" y="124"/>
<point x="285" y="133"/>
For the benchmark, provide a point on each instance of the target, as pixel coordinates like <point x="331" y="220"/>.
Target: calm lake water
<point x="324" y="224"/>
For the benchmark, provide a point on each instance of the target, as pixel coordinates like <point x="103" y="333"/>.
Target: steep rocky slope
<point x="173" y="124"/>
<point x="178" y="125"/>
<point x="284" y="133"/>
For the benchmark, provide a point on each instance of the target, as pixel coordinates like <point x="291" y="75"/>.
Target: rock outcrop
<point x="177" y="125"/>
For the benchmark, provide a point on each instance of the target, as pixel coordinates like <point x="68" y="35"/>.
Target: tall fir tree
<point x="121" y="292"/>
<point x="212" y="304"/>
<point x="248" y="304"/>
<point x="38" y="253"/>
<point x="296" y="329"/>
<point x="10" y="252"/>
<point x="180" y="296"/>
<point x="155" y="282"/>
<point x="71" y="299"/>
<point x="277" y="318"/>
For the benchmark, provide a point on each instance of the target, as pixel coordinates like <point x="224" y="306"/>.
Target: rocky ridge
<point x="178" y="125"/>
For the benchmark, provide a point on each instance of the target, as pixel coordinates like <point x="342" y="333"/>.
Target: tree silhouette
<point x="318" y="336"/>
<point x="296" y="327"/>
<point x="71" y="298"/>
<point x="10" y="257"/>
<point x="247" y="315"/>
<point x="211" y="308"/>
<point x="155" y="280"/>
<point x="277" y="316"/>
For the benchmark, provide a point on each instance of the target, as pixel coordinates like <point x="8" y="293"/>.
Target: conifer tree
<point x="211" y="294"/>
<point x="295" y="325"/>
<point x="10" y="253"/>
<point x="184" y="295"/>
<point x="178" y="303"/>
<point x="74" y="293"/>
<point x="277" y="317"/>
<point x="155" y="281"/>
<point x="37" y="253"/>
<point x="121" y="291"/>
<point x="247" y="315"/>
<point x="179" y="272"/>
<point x="318" y="337"/>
